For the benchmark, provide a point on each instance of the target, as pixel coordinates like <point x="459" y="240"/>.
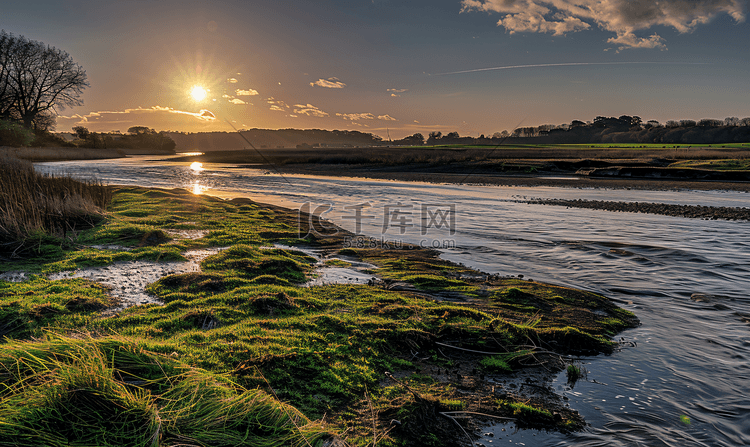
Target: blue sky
<point x="380" y="65"/>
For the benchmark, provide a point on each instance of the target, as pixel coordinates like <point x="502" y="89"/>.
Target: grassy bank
<point x="42" y="154"/>
<point x="448" y="155"/>
<point x="240" y="354"/>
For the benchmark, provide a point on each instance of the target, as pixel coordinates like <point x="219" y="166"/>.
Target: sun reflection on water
<point x="196" y="166"/>
<point x="199" y="189"/>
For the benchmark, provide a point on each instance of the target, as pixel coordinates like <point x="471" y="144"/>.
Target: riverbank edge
<point x="557" y="180"/>
<point x="465" y="362"/>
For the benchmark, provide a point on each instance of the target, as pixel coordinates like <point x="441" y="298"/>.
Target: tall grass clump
<point x="113" y="392"/>
<point x="32" y="203"/>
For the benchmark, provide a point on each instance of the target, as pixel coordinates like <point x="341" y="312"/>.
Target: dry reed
<point x="31" y="203"/>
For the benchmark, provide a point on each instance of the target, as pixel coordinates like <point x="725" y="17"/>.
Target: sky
<point x="394" y="67"/>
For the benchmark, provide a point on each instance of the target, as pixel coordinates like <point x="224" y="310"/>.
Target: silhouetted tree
<point x="37" y="81"/>
<point x="434" y="137"/>
<point x="708" y="122"/>
<point x="81" y="132"/>
<point x="416" y="139"/>
<point x="140" y="130"/>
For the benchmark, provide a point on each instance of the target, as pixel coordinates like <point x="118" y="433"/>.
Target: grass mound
<point x="200" y="284"/>
<point x="26" y="308"/>
<point x="250" y="262"/>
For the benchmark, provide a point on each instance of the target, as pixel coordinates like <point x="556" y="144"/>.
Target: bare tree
<point x="37" y="81"/>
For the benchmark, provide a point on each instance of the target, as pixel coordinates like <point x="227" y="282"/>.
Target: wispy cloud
<point x="248" y="92"/>
<point x="203" y="114"/>
<point x="622" y="17"/>
<point x="277" y="102"/>
<point x="157" y="117"/>
<point x="328" y="83"/>
<point x="386" y="118"/>
<point x="232" y="80"/>
<point x="356" y="116"/>
<point x="396" y="92"/>
<point x="237" y="101"/>
<point x="309" y="110"/>
<point x="564" y="64"/>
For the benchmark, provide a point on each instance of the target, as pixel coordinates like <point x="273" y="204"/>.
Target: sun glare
<point x="198" y="93"/>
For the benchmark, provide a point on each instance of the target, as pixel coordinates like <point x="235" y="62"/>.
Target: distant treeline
<point x="137" y="138"/>
<point x="624" y="129"/>
<point x="272" y="139"/>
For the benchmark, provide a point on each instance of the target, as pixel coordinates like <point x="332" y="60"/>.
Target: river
<point x="686" y="382"/>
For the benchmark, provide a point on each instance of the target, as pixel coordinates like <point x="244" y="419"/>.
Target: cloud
<point x="309" y="110"/>
<point x="395" y="91"/>
<point x="622" y="17"/>
<point x="203" y="114"/>
<point x="156" y="117"/>
<point x="629" y="40"/>
<point x="356" y="116"/>
<point x="532" y="22"/>
<point x="328" y="83"/>
<point x="248" y="92"/>
<point x="387" y="118"/>
<point x="277" y="105"/>
<point x="237" y="101"/>
<point x="232" y="80"/>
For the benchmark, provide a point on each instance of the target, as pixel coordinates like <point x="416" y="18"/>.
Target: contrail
<point x="564" y="64"/>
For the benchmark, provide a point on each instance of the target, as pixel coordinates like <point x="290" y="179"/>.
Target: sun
<point x="198" y="93"/>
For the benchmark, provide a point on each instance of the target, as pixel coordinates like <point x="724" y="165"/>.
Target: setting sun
<point x="198" y="93"/>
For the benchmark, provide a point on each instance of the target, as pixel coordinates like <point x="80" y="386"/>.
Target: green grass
<point x="524" y="413"/>
<point x="715" y="165"/>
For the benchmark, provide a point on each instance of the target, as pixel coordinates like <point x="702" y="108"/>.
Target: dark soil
<point x="690" y="211"/>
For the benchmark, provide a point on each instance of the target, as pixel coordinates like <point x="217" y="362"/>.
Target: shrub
<point x="14" y="134"/>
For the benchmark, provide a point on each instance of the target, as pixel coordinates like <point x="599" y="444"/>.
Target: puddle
<point x="355" y="273"/>
<point x="14" y="276"/>
<point x="186" y="234"/>
<point x="339" y="275"/>
<point x="128" y="280"/>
